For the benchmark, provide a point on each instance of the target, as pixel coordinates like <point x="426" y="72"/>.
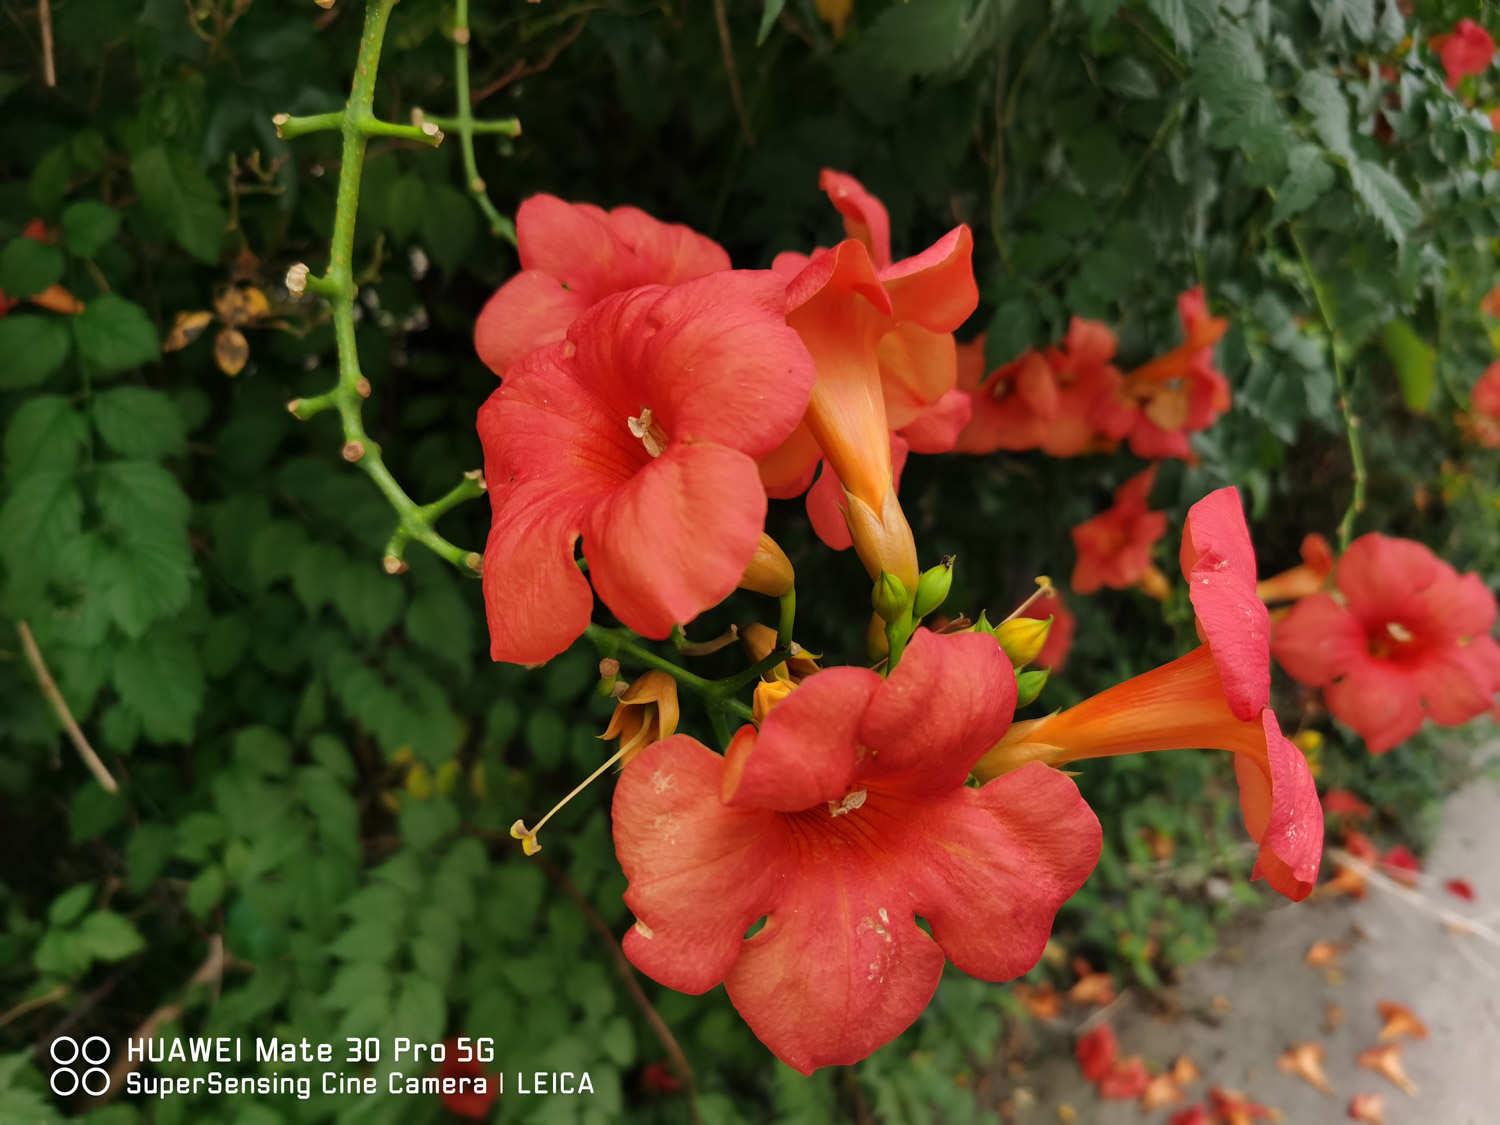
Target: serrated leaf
<point x="87" y="226"/>
<point x="419" y="1007"/>
<point x="1174" y="17"/>
<point x="137" y="422"/>
<point x="1323" y="100"/>
<point x="45" y="433"/>
<point x="28" y="266"/>
<point x="114" y="334"/>
<point x="140" y="497"/>
<point x="147" y="578"/>
<point x="32" y="347"/>
<point x="160" y="678"/>
<point x="177" y="193"/>
<point x="1388" y="201"/>
<point x="41" y="518"/>
<point x="1308" y="176"/>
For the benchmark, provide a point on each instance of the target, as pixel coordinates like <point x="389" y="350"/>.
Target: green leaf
<point x="141" y="497"/>
<point x="419" y="1007"/>
<point x="205" y="891"/>
<point x="177" y="193"/>
<point x="1415" y="363"/>
<point x="1308" y="176"/>
<point x="449" y="228"/>
<point x="1174" y="17"/>
<point x="441" y="622"/>
<point x="1322" y="98"/>
<point x="137" y="422"/>
<point x="107" y="936"/>
<point x="1387" y="199"/>
<point x="88" y="226"/>
<point x="160" y="678"/>
<point x="28" y="266"/>
<point x="768" y="15"/>
<point x="919" y="39"/>
<point x="147" y="578"/>
<point x="31" y="348"/>
<point x="69" y="906"/>
<point x="147" y="854"/>
<point x="114" y="334"/>
<point x="45" y="433"/>
<point x="41" y="518"/>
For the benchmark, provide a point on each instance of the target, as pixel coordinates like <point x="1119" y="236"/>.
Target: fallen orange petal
<point x="1184" y="1071"/>
<point x="1386" y="1062"/>
<point x="1323" y="954"/>
<point x="1095" y="988"/>
<point x="1044" y="1003"/>
<point x="1161" y="1091"/>
<point x="1305" y="1060"/>
<point x="1096" y="1052"/>
<point x="1193" y="1115"/>
<point x="1231" y="1107"/>
<point x="1369" y="1108"/>
<point x="1399" y="1020"/>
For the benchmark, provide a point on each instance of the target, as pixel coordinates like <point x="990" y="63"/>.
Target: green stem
<point x="1341" y="378"/>
<point x="787" y="620"/>
<point x="718" y="694"/>
<point x="357" y="123"/>
<point x="465" y="126"/>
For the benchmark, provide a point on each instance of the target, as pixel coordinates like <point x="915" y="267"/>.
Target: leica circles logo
<point x="79" y="1066"/>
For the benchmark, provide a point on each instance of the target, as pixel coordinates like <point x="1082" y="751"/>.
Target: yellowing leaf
<point x="231" y="351"/>
<point x="186" y="328"/>
<point x="241" y="304"/>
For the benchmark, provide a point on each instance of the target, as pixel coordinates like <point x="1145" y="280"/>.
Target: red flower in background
<point x="844" y="817"/>
<point x="640" y="433"/>
<point x="1114" y="547"/>
<point x="1299" y="581"/>
<point x="1408" y="639"/>
<point x="1214" y="697"/>
<point x="573" y="255"/>
<point x="1182" y="391"/>
<point x="1465" y="50"/>
<point x="1482" y="422"/>
<point x="467" y="1103"/>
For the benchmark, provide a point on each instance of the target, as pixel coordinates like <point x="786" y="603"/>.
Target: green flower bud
<point x="1029" y="685"/>
<point x="933" y="587"/>
<point x="890" y="597"/>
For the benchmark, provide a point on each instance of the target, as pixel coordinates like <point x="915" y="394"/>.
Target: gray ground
<point x="1399" y="948"/>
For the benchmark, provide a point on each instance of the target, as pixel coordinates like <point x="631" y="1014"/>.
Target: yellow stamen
<point x="1044" y="589"/>
<point x="652" y="436"/>
<point x="528" y="836"/>
<point x="1398" y="631"/>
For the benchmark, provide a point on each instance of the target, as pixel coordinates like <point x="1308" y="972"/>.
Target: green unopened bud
<point x="890" y="597"/>
<point x="983" y="625"/>
<point x="1022" y="638"/>
<point x="1029" y="685"/>
<point x="933" y="587"/>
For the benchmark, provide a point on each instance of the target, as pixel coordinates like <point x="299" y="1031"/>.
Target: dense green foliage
<point x="317" y="762"/>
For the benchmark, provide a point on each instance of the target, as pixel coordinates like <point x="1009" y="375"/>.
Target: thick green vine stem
<point x="357" y="122"/>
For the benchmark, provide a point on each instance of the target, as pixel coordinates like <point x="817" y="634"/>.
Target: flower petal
<point x="1379" y="701"/>
<point x="948" y="701"/>
<point x="1382" y="578"/>
<point x="723" y="366"/>
<point x="1318" y="640"/>
<point x="805" y="751"/>
<point x="536" y="600"/>
<point x="700" y="873"/>
<point x="1218" y="563"/>
<point x="1282" y="813"/>
<point x="936" y="429"/>
<point x="840" y="967"/>
<point x="529" y="311"/>
<point x="865" y="217"/>
<point x="675" y="539"/>
<point x="936" y="287"/>
<point x="998" y="862"/>
<point x="917" y="368"/>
